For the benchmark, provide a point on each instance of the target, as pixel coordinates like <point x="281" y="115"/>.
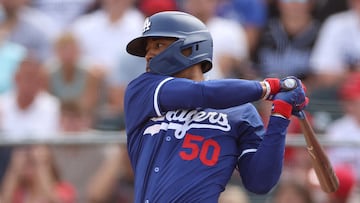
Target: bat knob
<point x="289" y="84"/>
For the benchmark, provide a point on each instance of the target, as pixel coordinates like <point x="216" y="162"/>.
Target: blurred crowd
<point x="64" y="69"/>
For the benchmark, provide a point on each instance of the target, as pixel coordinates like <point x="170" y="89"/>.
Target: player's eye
<point x="159" y="45"/>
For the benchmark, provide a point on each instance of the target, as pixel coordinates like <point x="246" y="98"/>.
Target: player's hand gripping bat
<point x="324" y="171"/>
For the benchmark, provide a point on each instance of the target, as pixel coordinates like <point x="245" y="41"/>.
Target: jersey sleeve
<point x="151" y="95"/>
<point x="260" y="168"/>
<point x="182" y="93"/>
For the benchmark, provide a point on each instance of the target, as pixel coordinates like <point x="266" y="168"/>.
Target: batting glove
<point x="291" y="102"/>
<point x="276" y="85"/>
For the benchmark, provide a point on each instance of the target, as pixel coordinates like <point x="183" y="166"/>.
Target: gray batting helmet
<point x="190" y="33"/>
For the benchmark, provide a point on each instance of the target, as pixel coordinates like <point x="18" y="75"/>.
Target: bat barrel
<point x="328" y="180"/>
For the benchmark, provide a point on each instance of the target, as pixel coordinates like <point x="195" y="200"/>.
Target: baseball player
<point x="186" y="135"/>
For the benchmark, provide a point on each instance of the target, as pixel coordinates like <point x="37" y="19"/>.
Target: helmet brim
<point x="137" y="46"/>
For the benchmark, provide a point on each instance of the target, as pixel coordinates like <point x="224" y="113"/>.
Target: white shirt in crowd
<point x="40" y="120"/>
<point x="345" y="129"/>
<point x="63" y="12"/>
<point x="229" y="40"/>
<point x="338" y="44"/>
<point x="103" y="41"/>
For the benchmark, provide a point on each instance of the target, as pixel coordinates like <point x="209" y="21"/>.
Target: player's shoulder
<point x="146" y="82"/>
<point x="148" y="78"/>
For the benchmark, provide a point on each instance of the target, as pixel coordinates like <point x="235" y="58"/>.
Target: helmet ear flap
<point x="187" y="52"/>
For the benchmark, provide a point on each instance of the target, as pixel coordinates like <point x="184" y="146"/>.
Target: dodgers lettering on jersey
<point x="189" y="119"/>
<point x="166" y="148"/>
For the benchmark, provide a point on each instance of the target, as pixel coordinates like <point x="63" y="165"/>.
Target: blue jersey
<point x="185" y="138"/>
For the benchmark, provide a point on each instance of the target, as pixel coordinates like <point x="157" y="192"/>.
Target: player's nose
<point x="148" y="56"/>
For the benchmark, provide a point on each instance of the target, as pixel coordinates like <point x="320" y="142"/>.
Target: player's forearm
<point x="210" y="94"/>
<point x="261" y="171"/>
<point x="231" y="93"/>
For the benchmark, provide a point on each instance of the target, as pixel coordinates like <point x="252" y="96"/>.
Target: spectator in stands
<point x="297" y="164"/>
<point x="76" y="84"/>
<point x="150" y="7"/>
<point x="15" y="22"/>
<point x="229" y="38"/>
<point x="111" y="117"/>
<point x="325" y="8"/>
<point x="251" y="14"/>
<point x="347" y="183"/>
<point x="287" y="41"/>
<point x="73" y="81"/>
<point x="291" y="191"/>
<point x="114" y="181"/>
<point x="39" y="20"/>
<point x="74" y="118"/>
<point x="32" y="177"/>
<point x="336" y="52"/>
<point x="62" y="12"/>
<point x="10" y="56"/>
<point x="286" y="44"/>
<point x="28" y="111"/>
<point x="103" y="35"/>
<point x="234" y="194"/>
<point x="347" y="128"/>
<point x="78" y="164"/>
<point x="95" y="171"/>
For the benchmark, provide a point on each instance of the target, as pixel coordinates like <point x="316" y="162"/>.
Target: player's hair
<point x="190" y="33"/>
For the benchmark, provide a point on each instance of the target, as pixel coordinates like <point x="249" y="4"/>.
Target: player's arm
<point x="182" y="93"/>
<point x="261" y="168"/>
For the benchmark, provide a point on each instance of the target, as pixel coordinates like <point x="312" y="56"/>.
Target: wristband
<point x="281" y="107"/>
<point x="268" y="90"/>
<point x="272" y="87"/>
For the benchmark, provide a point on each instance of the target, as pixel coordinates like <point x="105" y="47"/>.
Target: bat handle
<point x="302" y="115"/>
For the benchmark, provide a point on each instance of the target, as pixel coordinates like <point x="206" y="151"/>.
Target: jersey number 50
<point x="200" y="148"/>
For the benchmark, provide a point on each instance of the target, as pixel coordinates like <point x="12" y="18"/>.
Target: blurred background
<point x="64" y="70"/>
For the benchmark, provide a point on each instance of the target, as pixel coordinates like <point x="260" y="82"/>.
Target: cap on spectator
<point x="350" y="89"/>
<point x="346" y="176"/>
<point x="150" y="7"/>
